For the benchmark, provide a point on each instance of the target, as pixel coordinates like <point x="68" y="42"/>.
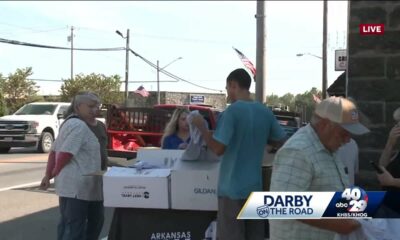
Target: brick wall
<point x="374" y="76"/>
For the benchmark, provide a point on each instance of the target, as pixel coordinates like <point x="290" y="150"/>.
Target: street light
<point x="126" y="63"/>
<point x="324" y="78"/>
<point x="119" y="33"/>
<point x="302" y="54"/>
<point x="324" y="49"/>
<point x="158" y="76"/>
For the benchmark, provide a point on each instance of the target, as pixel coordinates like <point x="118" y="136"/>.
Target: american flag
<point x="142" y="92"/>
<point x="246" y="63"/>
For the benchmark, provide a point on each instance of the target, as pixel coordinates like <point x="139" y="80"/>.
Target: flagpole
<point x="158" y="82"/>
<point x="261" y="52"/>
<point x="324" y="49"/>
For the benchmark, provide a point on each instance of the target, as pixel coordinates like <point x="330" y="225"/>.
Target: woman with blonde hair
<point x="176" y="133"/>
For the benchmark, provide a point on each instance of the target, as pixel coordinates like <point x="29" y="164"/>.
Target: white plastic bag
<point x="197" y="149"/>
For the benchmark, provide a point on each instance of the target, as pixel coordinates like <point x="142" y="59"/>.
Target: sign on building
<point x="197" y="99"/>
<point x="340" y="60"/>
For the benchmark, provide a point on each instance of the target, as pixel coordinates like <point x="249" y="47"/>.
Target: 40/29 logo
<point x="354" y="199"/>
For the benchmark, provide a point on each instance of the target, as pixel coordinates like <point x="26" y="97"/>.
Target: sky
<point x="202" y="33"/>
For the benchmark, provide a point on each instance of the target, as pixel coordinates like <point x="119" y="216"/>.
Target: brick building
<point x="373" y="76"/>
<point x="217" y="100"/>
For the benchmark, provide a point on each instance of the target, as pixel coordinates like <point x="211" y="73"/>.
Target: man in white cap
<point x="307" y="162"/>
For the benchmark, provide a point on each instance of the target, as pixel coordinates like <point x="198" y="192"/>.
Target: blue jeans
<point x="230" y="228"/>
<point x="80" y="220"/>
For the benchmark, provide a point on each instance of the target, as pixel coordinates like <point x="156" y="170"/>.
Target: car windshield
<point x="37" y="109"/>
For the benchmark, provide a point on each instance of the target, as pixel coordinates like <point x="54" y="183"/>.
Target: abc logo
<point x="263" y="211"/>
<point x="341" y="205"/>
<point x="356" y="199"/>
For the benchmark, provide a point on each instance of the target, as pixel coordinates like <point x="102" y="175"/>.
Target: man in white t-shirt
<point x="348" y="153"/>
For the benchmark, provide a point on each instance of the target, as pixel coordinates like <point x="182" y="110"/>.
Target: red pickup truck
<point x="129" y="129"/>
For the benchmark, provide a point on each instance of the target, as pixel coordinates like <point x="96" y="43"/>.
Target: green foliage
<point x="17" y="90"/>
<point x="288" y="100"/>
<point x="302" y="103"/>
<point x="3" y="107"/>
<point x="107" y="87"/>
<point x="273" y="100"/>
<point x="52" y="99"/>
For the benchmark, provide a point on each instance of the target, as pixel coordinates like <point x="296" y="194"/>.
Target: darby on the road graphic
<point x="285" y="205"/>
<point x="352" y="202"/>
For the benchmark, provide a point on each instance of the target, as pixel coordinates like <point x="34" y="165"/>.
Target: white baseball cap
<point x="342" y="111"/>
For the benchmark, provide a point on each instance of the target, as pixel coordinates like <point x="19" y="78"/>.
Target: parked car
<point x="290" y="121"/>
<point x="34" y="124"/>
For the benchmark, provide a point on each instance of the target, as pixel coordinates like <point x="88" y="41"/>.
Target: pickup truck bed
<point x="129" y="129"/>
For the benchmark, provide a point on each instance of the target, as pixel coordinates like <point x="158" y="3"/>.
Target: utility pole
<point x="158" y="76"/>
<point x="324" y="50"/>
<point x="127" y="49"/>
<point x="158" y="82"/>
<point x="71" y="38"/>
<point x="127" y="67"/>
<point x="261" y="52"/>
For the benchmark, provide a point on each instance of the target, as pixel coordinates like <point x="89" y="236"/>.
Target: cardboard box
<point x="194" y="186"/>
<point x="160" y="224"/>
<point x="127" y="187"/>
<point x="163" y="158"/>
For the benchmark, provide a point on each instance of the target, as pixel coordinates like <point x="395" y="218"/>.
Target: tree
<point x="3" y="107"/>
<point x="18" y="90"/>
<point x="305" y="103"/>
<point x="301" y="103"/>
<point x="288" y="100"/>
<point x="273" y="100"/>
<point x="107" y="87"/>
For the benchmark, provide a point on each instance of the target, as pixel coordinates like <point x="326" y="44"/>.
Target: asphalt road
<point x="21" y="166"/>
<point x="25" y="211"/>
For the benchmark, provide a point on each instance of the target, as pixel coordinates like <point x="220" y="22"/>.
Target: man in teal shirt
<point x="242" y="133"/>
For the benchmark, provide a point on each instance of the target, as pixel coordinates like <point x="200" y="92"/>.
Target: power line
<point x="61" y="80"/>
<point x="170" y="74"/>
<point x="14" y="42"/>
<point x="32" y="30"/>
<point x="17" y="26"/>
<point x="48" y="30"/>
<point x="111" y="58"/>
<point x="13" y="33"/>
<point x="182" y="39"/>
